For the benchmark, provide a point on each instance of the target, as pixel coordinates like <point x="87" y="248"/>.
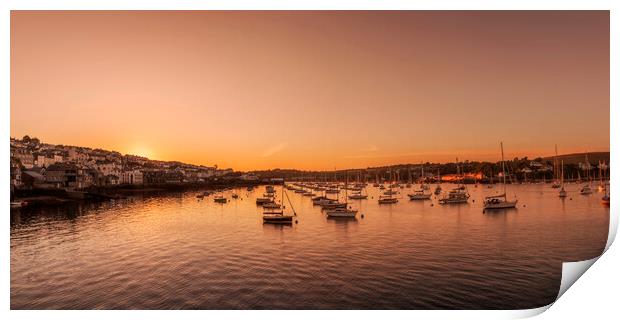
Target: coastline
<point x="57" y="196"/>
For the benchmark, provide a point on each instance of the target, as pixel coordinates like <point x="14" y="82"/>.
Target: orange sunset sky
<point x="313" y="90"/>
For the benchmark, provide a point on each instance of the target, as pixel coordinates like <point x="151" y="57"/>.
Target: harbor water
<point x="175" y="251"/>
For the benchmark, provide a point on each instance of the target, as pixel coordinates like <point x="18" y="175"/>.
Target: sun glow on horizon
<point x="423" y="86"/>
<point x="142" y="151"/>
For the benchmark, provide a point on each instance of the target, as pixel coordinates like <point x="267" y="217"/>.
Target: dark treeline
<point x="517" y="170"/>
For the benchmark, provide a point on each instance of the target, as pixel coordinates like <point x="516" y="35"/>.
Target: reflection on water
<point x="175" y="251"/>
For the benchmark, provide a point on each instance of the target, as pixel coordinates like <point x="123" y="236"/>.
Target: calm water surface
<point x="176" y="252"/>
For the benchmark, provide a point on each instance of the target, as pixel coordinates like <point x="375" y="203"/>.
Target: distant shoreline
<point x="56" y="196"/>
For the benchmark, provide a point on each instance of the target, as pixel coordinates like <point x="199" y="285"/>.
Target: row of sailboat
<point x="586" y="189"/>
<point x="274" y="212"/>
<point x="457" y="195"/>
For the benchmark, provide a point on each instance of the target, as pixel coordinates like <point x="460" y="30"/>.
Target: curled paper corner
<point x="613" y="229"/>
<point x="528" y="313"/>
<point x="571" y="271"/>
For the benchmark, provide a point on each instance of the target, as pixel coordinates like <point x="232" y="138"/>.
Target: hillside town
<point x="40" y="166"/>
<point x="35" y="164"/>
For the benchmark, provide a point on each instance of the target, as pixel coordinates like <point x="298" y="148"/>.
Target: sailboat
<point x="278" y="217"/>
<point x="342" y="212"/>
<point x="220" y="198"/>
<point x="419" y="195"/>
<point x="556" y="182"/>
<point x="388" y="198"/>
<point x="500" y="201"/>
<point x="409" y="179"/>
<point x="376" y="184"/>
<point x="458" y="194"/>
<point x="396" y="183"/>
<point x="562" y="191"/>
<point x="605" y="198"/>
<point x="438" y="187"/>
<point x="587" y="189"/>
<point x="601" y="184"/>
<point x="490" y="185"/>
<point x="358" y="195"/>
<point x="274" y="207"/>
<point x="423" y="185"/>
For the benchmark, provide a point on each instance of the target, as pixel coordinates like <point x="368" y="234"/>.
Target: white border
<point x="579" y="302"/>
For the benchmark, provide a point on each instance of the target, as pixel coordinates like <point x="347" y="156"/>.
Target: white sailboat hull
<point x="357" y="197"/>
<point x="419" y="196"/>
<point x="341" y="214"/>
<point x="452" y="201"/>
<point x="501" y="205"/>
<point x="388" y="201"/>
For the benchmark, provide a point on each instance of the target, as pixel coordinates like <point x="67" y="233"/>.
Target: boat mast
<point x="346" y="186"/>
<point x="290" y="203"/>
<point x="588" y="168"/>
<point x="501" y="144"/>
<point x="391" y="184"/>
<point x="600" y="172"/>
<point x="458" y="175"/>
<point x="555" y="164"/>
<point x="282" y="194"/>
<point x="422" y="181"/>
<point x="562" y="181"/>
<point x="409" y="173"/>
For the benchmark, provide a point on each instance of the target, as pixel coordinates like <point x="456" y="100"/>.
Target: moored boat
<point x="261" y="201"/>
<point x="275" y="216"/>
<point x="358" y="196"/>
<point x="333" y="205"/>
<point x="556" y="182"/>
<point x="500" y="201"/>
<point x="455" y="196"/>
<point x="271" y="205"/>
<point x="341" y="213"/>
<point x="585" y="190"/>
<point x="277" y="219"/>
<point x="419" y="195"/>
<point x="562" y="192"/>
<point x="387" y="200"/>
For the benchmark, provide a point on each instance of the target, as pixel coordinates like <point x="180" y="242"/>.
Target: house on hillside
<point x="65" y="175"/>
<point x="16" y="174"/>
<point x="34" y="179"/>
